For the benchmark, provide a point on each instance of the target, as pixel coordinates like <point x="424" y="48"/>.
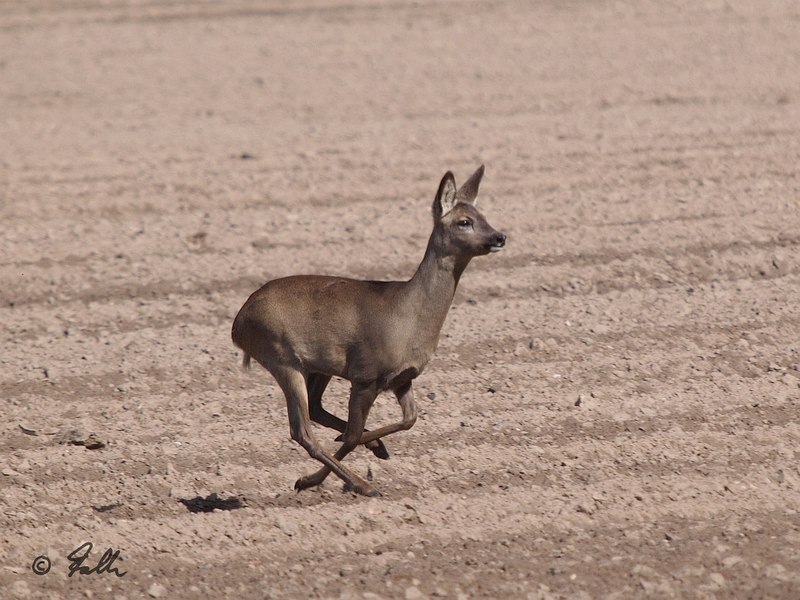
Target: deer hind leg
<point x="293" y="385"/>
<point x="317" y="382"/>
<point x="362" y="396"/>
<point x="405" y="397"/>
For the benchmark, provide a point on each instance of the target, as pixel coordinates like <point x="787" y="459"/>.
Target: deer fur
<point x="379" y="335"/>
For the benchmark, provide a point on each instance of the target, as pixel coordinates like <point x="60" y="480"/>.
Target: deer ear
<point x="445" y="197"/>
<point x="469" y="191"/>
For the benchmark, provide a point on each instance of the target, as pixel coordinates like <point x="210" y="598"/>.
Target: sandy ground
<point x="613" y="408"/>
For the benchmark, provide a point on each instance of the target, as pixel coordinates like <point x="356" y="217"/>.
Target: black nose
<point x="500" y="239"/>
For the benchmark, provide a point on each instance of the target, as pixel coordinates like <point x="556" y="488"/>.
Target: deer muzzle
<point x="497" y="243"/>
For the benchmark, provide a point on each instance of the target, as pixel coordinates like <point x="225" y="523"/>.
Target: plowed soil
<point x="613" y="408"/>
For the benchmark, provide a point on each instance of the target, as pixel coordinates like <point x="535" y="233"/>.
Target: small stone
<point x="178" y="493"/>
<point x="73" y="437"/>
<point x="731" y="561"/>
<point x="648" y="586"/>
<point x="644" y="571"/>
<point x="285" y="526"/>
<point x="92" y="442"/>
<point x="648" y="411"/>
<point x="156" y="590"/>
<point x="522" y="349"/>
<point x="717" y="579"/>
<point x="776" y="571"/>
<point x="620" y="417"/>
<point x="579" y="400"/>
<point x="28" y="430"/>
<point x="20" y="589"/>
<point x="413" y="593"/>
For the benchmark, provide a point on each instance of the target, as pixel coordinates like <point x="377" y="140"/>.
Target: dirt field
<point x="613" y="408"/>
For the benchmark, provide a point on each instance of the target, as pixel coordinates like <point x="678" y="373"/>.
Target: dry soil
<point x="613" y="408"/>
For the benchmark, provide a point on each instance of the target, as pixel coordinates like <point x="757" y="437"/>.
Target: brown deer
<point x="379" y="335"/>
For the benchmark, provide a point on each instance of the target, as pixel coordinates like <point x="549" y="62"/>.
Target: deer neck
<point x="429" y="293"/>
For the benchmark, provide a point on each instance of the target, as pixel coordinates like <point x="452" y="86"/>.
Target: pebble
<point x="20" y="589"/>
<point x="522" y="349"/>
<point x="28" y="430"/>
<point x="731" y="561"/>
<point x="776" y="571"/>
<point x="285" y="526"/>
<point x="413" y="593"/>
<point x="179" y="493"/>
<point x="717" y="579"/>
<point x="156" y="590"/>
<point x="648" y="586"/>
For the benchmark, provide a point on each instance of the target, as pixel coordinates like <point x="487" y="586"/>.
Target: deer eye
<point x="464" y="223"/>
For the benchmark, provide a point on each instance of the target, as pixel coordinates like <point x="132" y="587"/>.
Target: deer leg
<point x="317" y="382"/>
<point x="362" y="396"/>
<point x="405" y="397"/>
<point x="292" y="383"/>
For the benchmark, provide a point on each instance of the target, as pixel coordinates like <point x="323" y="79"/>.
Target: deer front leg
<point x="292" y="383"/>
<point x="405" y="397"/>
<point x="362" y="396"/>
<point x="316" y="385"/>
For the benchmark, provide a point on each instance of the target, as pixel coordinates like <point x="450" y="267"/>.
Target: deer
<point x="378" y="335"/>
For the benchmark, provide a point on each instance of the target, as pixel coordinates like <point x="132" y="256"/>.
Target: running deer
<point x="379" y="335"/>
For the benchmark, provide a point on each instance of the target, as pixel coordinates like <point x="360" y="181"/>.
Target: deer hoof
<point x="304" y="483"/>
<point x="362" y="489"/>
<point x="379" y="450"/>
